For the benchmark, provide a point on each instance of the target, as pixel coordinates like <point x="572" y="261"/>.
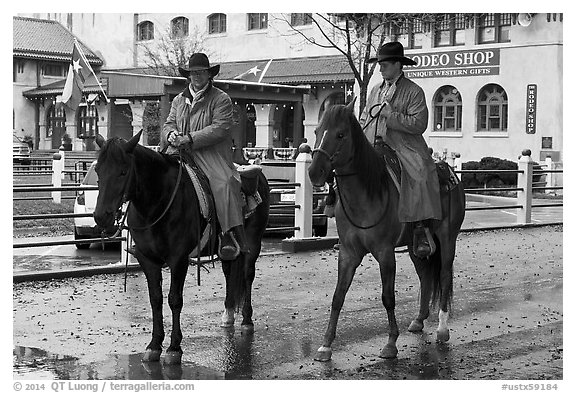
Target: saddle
<point x="249" y="176"/>
<point x="447" y="180"/>
<point x="446" y="176"/>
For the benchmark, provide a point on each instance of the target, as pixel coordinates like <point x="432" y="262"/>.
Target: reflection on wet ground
<point x="34" y="363"/>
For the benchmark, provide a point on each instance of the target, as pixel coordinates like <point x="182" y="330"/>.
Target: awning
<point x="56" y="88"/>
<point x="306" y="70"/>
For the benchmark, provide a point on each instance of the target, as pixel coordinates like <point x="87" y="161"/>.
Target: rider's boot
<point x="423" y="243"/>
<point x="232" y="243"/>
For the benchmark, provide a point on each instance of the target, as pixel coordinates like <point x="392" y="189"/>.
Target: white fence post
<point x="526" y="165"/>
<point x="57" y="172"/>
<point x="303" y="197"/>
<point x="549" y="176"/>
<point x="458" y="164"/>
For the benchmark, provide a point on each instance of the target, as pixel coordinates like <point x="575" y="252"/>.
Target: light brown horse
<point x="367" y="222"/>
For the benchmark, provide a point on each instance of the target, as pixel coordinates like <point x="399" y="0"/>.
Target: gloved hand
<point x="178" y="140"/>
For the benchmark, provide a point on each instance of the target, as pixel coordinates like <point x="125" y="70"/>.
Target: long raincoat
<point x="402" y="131"/>
<point x="209" y="120"/>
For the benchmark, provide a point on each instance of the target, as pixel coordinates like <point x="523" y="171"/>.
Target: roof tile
<point x="46" y="39"/>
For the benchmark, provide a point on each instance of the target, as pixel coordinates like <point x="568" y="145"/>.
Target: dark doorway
<point x="121" y="121"/>
<point x="56" y="125"/>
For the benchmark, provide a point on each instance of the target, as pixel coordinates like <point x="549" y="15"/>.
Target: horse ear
<point x="350" y="106"/>
<point x="100" y="141"/>
<point x="133" y="142"/>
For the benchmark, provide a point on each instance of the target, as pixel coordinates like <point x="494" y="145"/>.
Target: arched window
<point x="447" y="109"/>
<point x="179" y="27"/>
<point x="338" y="98"/>
<point x="87" y="121"/>
<point x="492" y="109"/>
<point x="217" y="24"/>
<point x="55" y="120"/>
<point x="145" y="31"/>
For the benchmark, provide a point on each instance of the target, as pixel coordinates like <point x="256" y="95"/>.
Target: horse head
<point x="114" y="168"/>
<point x="333" y="148"/>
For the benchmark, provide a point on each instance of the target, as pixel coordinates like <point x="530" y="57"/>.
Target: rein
<point x="172" y="197"/>
<point x="335" y="154"/>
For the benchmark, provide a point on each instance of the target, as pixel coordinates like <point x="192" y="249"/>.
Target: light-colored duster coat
<point x="209" y="121"/>
<point x="419" y="189"/>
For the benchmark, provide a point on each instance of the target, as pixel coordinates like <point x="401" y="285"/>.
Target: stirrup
<point x="423" y="247"/>
<point x="228" y="252"/>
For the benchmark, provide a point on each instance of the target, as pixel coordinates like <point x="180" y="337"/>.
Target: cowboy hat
<point x="199" y="62"/>
<point x="392" y="51"/>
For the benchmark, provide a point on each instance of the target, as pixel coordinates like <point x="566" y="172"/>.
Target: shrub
<point x="489" y="180"/>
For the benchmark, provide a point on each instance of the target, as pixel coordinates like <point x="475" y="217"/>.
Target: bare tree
<point x="165" y="54"/>
<point x="356" y="36"/>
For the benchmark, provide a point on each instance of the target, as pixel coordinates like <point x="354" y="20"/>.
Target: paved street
<point x="507" y="320"/>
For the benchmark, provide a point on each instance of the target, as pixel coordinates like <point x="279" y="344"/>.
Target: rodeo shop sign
<point x="456" y="63"/>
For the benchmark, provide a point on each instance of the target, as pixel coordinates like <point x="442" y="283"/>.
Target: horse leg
<point x="387" y="263"/>
<point x="347" y="265"/>
<point x="448" y="251"/>
<point x="250" y="272"/>
<point x="423" y="269"/>
<point x="175" y="301"/>
<point x="153" y="274"/>
<point x="227" y="319"/>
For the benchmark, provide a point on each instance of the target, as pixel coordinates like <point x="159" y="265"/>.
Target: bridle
<point x="331" y="157"/>
<point x="125" y="198"/>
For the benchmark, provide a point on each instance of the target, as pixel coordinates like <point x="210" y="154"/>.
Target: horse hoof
<point x="442" y="335"/>
<point x="227" y="319"/>
<point x="416" y="326"/>
<point x="323" y="354"/>
<point x="173" y="357"/>
<point x="152" y="355"/>
<point x="389" y="352"/>
<point x="247" y="329"/>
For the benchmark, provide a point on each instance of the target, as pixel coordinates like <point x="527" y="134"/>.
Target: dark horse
<point x="166" y="224"/>
<point x="367" y="222"/>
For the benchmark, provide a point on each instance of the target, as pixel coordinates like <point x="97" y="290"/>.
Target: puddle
<point x="37" y="364"/>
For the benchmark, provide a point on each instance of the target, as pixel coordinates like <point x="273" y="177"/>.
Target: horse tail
<point x="236" y="285"/>
<point x="435" y="273"/>
<point x="241" y="272"/>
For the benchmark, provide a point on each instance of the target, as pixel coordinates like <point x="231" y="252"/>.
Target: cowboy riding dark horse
<point x="396" y="115"/>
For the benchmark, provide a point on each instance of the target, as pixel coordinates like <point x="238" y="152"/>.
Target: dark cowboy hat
<point x="199" y="62"/>
<point x="392" y="51"/>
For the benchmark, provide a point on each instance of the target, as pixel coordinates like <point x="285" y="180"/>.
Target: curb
<point x="289" y="246"/>
<point x="46" y="275"/>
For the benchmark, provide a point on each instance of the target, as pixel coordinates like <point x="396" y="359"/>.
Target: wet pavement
<point x="507" y="320"/>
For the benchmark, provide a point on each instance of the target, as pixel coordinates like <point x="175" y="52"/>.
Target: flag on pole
<point x="256" y="73"/>
<point x="78" y="73"/>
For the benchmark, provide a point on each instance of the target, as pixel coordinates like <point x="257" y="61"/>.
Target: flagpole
<point x="264" y="71"/>
<point x="91" y="70"/>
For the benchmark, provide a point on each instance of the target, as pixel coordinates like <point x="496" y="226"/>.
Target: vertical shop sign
<point x="531" y="109"/>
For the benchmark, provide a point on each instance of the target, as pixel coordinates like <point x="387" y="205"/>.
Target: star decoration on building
<point x="349" y="92"/>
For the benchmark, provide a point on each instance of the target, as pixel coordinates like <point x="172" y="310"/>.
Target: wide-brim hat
<point x="392" y="51"/>
<point x="199" y="62"/>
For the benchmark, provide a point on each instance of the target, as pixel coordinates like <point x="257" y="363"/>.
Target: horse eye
<point x="340" y="135"/>
<point x="123" y="172"/>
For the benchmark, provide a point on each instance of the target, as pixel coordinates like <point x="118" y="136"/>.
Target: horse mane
<point x="367" y="164"/>
<point x="112" y="149"/>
